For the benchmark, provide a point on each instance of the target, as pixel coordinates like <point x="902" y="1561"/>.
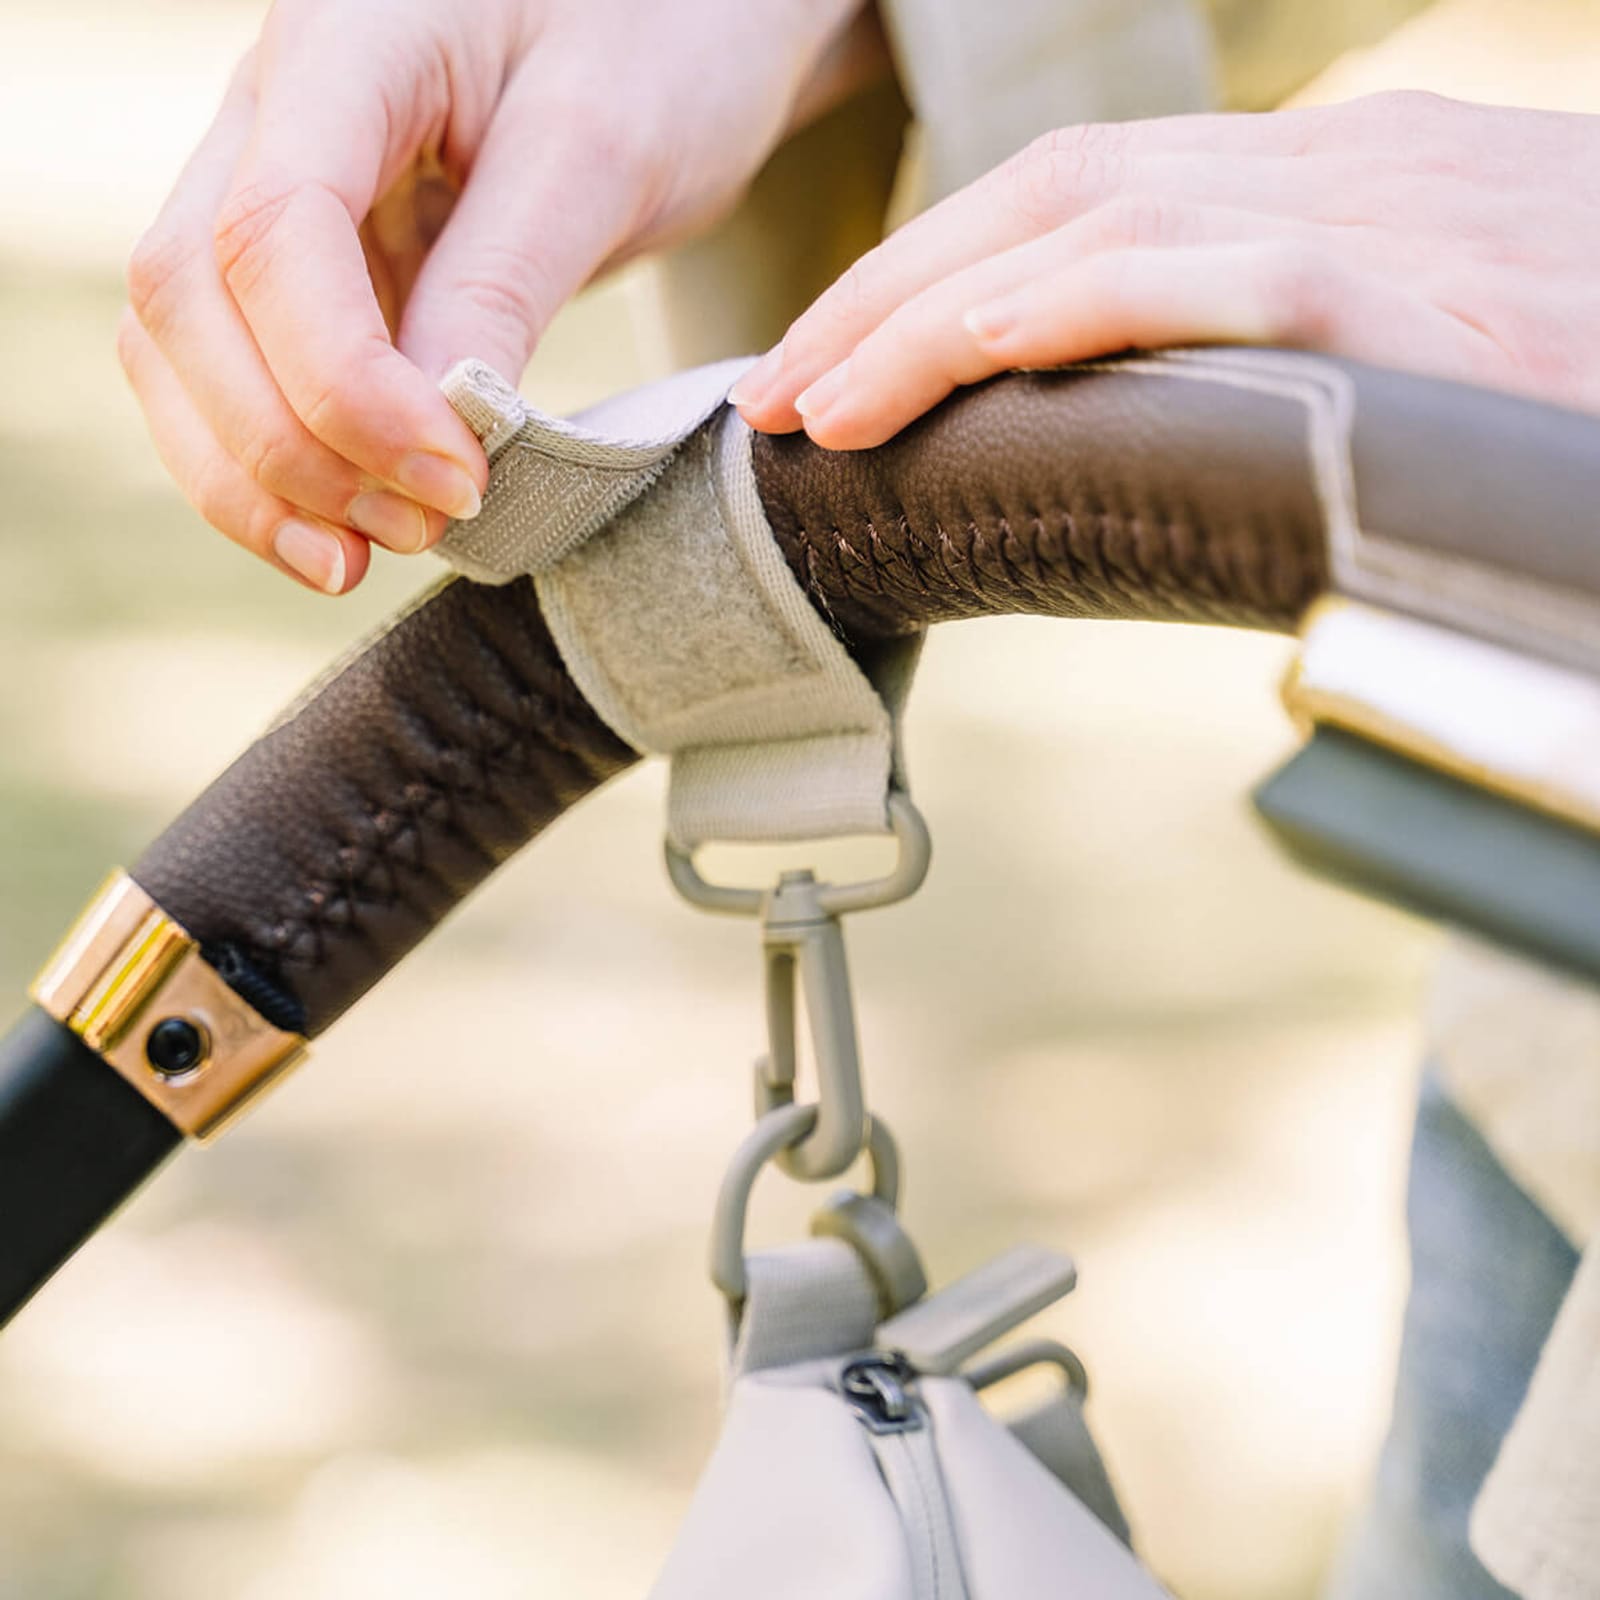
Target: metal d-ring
<point x="834" y="899"/>
<point x="776" y="1132"/>
<point x="1030" y="1353"/>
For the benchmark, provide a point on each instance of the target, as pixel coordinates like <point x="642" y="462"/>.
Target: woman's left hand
<point x="1404" y="229"/>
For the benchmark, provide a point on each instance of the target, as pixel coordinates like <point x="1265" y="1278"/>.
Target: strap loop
<point x="778" y="1131"/>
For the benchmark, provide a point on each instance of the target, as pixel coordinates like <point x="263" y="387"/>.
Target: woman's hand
<point x="392" y="185"/>
<point x="1404" y="229"/>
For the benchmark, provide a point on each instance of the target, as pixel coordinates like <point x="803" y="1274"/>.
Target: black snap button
<point x="175" y="1046"/>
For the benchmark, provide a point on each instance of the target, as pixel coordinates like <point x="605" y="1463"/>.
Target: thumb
<point x="551" y="198"/>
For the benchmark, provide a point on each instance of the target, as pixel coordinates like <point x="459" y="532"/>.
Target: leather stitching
<point x="365" y="850"/>
<point x="339" y="841"/>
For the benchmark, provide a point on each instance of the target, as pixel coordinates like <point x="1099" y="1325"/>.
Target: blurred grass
<point x="433" y="1321"/>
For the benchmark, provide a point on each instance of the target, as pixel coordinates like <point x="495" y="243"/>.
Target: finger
<point x="923" y="349"/>
<point x="288" y="247"/>
<point x="320" y="555"/>
<point x="1055" y="180"/>
<point x="1274" y="293"/>
<point x="554" y="192"/>
<point x="182" y="303"/>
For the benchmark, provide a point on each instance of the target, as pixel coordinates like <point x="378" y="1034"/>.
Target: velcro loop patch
<point x="675" y="611"/>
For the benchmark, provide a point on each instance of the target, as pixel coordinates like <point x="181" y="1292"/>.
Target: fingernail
<point x="395" y="522"/>
<point x="824" y="393"/>
<point x="750" y="389"/>
<point x="313" y="552"/>
<point x="439" y="483"/>
<point x="992" y="321"/>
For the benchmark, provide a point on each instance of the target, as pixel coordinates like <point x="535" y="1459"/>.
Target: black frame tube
<point x="76" y="1140"/>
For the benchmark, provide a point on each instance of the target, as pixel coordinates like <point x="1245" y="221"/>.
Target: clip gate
<point x="804" y="950"/>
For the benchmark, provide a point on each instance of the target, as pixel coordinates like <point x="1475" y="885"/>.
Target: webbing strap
<point x="554" y="481"/>
<point x="804" y="1301"/>
<point x="674" y="609"/>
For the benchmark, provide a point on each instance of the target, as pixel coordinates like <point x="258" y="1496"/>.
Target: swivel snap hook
<point x="803" y="945"/>
<point x="804" y="950"/>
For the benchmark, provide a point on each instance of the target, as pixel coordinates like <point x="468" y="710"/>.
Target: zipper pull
<point x="875" y="1389"/>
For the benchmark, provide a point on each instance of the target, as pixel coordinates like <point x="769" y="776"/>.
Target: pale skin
<point x="387" y="190"/>
<point x="1403" y="229"/>
<point x="393" y="185"/>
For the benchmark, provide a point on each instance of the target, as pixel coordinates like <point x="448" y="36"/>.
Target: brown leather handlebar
<point x="1102" y="493"/>
<point x="1130" y="490"/>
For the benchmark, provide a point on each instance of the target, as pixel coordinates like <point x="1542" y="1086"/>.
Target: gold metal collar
<point x="134" y="987"/>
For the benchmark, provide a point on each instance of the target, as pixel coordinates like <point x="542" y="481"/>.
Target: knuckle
<point x="1333" y="130"/>
<point x="1042" y="182"/>
<point x="510" y="290"/>
<point x="1375" y="126"/>
<point x="1389" y="107"/>
<point x="159" y="264"/>
<point x="211" y="491"/>
<point x="338" y="404"/>
<point x="1298" y="295"/>
<point x="851" y="295"/>
<point x="243" y="233"/>
<point x="1141" y="222"/>
<point x="269" y="456"/>
<point x="330" y="410"/>
<point x="837" y="318"/>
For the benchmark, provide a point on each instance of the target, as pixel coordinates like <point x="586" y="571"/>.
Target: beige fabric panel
<point x="817" y="205"/>
<point x="674" y="610"/>
<point x="687" y="632"/>
<point x="986" y="79"/>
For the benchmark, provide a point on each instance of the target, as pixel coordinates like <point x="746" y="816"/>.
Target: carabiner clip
<point x="804" y="949"/>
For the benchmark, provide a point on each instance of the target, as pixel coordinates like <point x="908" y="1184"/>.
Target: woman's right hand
<point x="392" y="185"/>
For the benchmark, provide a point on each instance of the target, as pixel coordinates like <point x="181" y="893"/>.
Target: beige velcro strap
<point x="676" y="613"/>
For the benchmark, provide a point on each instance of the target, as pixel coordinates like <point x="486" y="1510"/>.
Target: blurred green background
<point x="433" y="1320"/>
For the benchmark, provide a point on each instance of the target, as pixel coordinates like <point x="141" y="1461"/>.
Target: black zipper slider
<point x="875" y="1388"/>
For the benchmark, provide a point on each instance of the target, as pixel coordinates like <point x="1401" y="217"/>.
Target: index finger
<point x="288" y="247"/>
<point x="1237" y="160"/>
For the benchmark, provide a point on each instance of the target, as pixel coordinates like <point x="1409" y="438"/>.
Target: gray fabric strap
<point x="675" y="612"/>
<point x="984" y="80"/>
<point x="804" y="1302"/>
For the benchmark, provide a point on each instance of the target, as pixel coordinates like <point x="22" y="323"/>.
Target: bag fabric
<point x="803" y="1497"/>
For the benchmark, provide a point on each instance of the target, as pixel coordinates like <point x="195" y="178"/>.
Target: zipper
<point x="878" y="1389"/>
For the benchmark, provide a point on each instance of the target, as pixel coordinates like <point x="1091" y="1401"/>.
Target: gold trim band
<point x="1310" y="707"/>
<point x="127" y="969"/>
